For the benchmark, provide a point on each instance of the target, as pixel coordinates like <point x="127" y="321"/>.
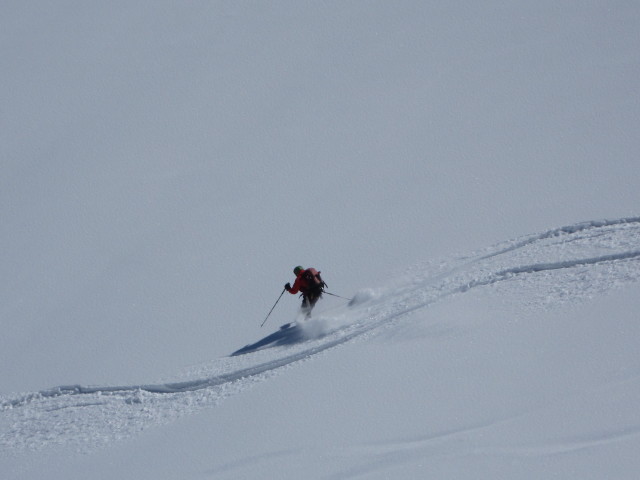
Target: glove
<point x="287" y="287"/>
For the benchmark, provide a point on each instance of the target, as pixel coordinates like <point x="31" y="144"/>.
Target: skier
<point x="310" y="284"/>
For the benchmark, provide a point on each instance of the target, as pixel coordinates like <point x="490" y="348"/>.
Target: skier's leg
<point x="312" y="298"/>
<point x="306" y="308"/>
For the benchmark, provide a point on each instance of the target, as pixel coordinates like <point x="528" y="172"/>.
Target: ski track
<point x="48" y="417"/>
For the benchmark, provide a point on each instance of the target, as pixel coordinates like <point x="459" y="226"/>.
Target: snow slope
<point x="153" y="153"/>
<point x="512" y="360"/>
<point x="153" y="156"/>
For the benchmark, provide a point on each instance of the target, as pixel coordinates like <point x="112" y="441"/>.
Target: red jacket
<point x="301" y="284"/>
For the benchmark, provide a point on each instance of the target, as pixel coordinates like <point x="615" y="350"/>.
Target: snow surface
<point x="166" y="164"/>
<point x="475" y="382"/>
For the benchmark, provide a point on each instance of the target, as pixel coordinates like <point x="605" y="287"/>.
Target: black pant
<point x="309" y="300"/>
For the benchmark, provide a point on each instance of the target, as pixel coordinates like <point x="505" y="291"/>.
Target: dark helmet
<point x="297" y="270"/>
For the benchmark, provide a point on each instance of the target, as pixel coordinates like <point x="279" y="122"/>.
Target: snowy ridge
<point x="566" y="230"/>
<point x="541" y="267"/>
<point x="597" y="255"/>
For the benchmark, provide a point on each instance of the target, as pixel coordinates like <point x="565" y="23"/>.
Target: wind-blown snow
<point x="541" y="271"/>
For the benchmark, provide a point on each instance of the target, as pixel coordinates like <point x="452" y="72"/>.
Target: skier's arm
<point x="296" y="287"/>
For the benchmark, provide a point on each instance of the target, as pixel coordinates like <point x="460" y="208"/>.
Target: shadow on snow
<point x="287" y="335"/>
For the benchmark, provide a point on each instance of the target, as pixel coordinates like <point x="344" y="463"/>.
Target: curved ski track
<point x="606" y="242"/>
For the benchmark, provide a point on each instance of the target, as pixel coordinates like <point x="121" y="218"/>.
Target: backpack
<point x="313" y="279"/>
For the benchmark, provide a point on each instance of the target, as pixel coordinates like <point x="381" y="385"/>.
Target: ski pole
<point x="274" y="306"/>
<point x="334" y="295"/>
